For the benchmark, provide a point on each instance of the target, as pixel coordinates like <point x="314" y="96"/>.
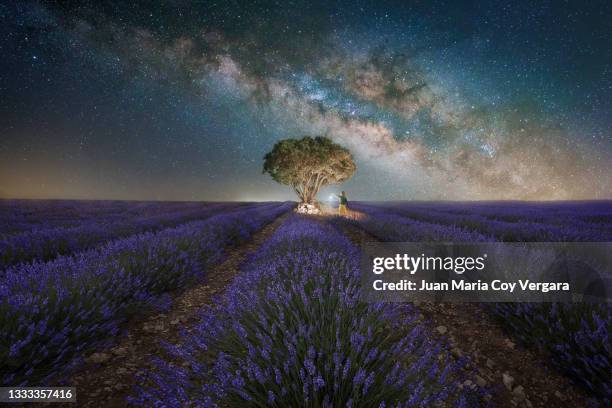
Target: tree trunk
<point x="307" y="191"/>
<point x="311" y="196"/>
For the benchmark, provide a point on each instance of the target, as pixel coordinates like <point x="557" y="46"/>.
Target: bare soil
<point x="108" y="376"/>
<point x="516" y="376"/>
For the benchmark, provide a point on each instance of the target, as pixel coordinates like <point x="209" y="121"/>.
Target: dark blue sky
<point x="171" y="100"/>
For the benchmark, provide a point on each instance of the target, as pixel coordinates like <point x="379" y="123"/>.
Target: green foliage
<point x="308" y="164"/>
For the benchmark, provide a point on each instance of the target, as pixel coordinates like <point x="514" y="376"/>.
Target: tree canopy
<point x="308" y="164"/>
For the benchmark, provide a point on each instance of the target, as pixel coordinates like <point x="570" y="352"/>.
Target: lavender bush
<point x="290" y="331"/>
<point x="51" y="311"/>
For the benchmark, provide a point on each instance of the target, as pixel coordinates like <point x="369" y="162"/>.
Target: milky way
<point x="181" y="101"/>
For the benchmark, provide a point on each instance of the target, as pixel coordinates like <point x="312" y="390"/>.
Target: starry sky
<point x="172" y="100"/>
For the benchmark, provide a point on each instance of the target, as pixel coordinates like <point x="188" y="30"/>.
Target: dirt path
<point x="518" y="377"/>
<point x="108" y="377"/>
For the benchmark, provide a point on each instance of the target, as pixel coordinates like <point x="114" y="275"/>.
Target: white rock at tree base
<point x="304" y="208"/>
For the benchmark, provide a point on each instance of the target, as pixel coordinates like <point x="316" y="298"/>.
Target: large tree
<point x="308" y="164"/>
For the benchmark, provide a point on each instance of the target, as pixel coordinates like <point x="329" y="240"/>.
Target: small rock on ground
<point x="98" y="358"/>
<point x="508" y="381"/>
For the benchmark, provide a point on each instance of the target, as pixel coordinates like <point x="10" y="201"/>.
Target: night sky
<point x="176" y="101"/>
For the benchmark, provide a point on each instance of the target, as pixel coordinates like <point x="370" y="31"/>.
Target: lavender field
<point x="80" y="286"/>
<point x="287" y="328"/>
<point x="575" y="336"/>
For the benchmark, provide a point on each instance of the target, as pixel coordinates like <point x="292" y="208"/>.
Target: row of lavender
<point x="28" y="215"/>
<point x="51" y="311"/>
<point x="521" y="222"/>
<point x="291" y="331"/>
<point x="556" y="213"/>
<point x="575" y="335"/>
<point x="25" y="215"/>
<point x="44" y="244"/>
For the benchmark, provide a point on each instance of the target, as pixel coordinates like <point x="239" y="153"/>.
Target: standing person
<point x="343" y="207"/>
